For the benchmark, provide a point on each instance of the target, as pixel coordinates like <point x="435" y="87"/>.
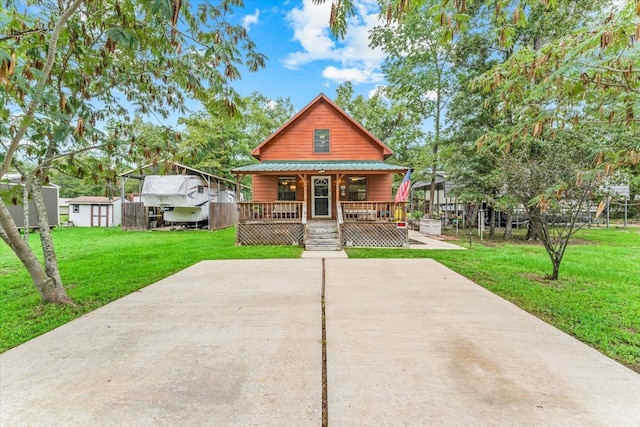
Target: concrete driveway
<point x="409" y="342"/>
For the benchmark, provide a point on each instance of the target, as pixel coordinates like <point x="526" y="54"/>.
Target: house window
<point x="287" y="188"/>
<point x="321" y="141"/>
<point x="76" y="208"/>
<point x="200" y="189"/>
<point x="357" y="188"/>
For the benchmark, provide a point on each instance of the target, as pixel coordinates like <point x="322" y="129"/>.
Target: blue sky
<point x="303" y="59"/>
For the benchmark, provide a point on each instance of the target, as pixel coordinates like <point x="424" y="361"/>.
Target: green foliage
<point x="471" y="114"/>
<point x="546" y="104"/>
<point x="218" y="143"/>
<point x="417" y="67"/>
<point x="421" y="79"/>
<point x="340" y="14"/>
<point x="100" y="265"/>
<point x="108" y="60"/>
<point x="72" y="186"/>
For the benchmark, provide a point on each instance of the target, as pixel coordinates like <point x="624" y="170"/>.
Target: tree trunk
<point x="48" y="250"/>
<point x="555" y="250"/>
<point x="556" y="268"/>
<point x="434" y="152"/>
<point x="531" y="231"/>
<point x="472" y="217"/>
<point x="46" y="286"/>
<point x="508" y="228"/>
<point x="432" y="192"/>
<point x="492" y="223"/>
<point x="25" y="213"/>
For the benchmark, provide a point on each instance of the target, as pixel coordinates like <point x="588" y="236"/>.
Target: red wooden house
<point x="322" y="167"/>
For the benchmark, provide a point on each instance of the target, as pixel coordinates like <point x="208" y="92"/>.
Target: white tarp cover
<point x="173" y="190"/>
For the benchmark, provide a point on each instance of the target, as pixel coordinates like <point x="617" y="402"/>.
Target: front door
<point x="321" y="197"/>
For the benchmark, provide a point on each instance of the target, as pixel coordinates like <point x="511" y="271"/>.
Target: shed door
<point x="99" y="215"/>
<point x="321" y="200"/>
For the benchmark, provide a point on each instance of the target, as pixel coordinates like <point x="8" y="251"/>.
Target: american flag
<point x="403" y="191"/>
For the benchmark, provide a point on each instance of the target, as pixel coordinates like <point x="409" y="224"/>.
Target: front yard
<point x="100" y="265"/>
<point x="597" y="298"/>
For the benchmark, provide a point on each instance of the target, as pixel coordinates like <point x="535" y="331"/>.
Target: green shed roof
<point x="317" y="166"/>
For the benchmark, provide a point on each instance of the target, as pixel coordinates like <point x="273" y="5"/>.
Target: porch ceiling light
<point x="321" y="171"/>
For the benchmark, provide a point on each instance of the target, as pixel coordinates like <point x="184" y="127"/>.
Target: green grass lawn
<point x="100" y="265"/>
<point x="597" y="298"/>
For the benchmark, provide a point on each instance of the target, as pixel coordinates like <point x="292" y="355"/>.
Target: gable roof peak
<point x="321" y="97"/>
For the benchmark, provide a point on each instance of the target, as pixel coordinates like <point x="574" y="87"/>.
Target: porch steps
<point x="322" y="236"/>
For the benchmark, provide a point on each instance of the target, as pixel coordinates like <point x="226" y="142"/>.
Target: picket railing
<point x="372" y="211"/>
<point x="283" y="211"/>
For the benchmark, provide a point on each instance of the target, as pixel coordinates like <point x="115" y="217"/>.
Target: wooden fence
<point x="135" y="216"/>
<point x="222" y="215"/>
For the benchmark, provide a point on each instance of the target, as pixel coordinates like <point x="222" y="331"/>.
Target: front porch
<point x="359" y="224"/>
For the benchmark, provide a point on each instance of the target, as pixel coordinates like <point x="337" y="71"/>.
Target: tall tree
<point x="471" y="113"/>
<point x="418" y="69"/>
<point x="68" y="66"/>
<point x="217" y="143"/>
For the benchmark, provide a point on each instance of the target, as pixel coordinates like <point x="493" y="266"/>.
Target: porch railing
<point x="283" y="211"/>
<point x="295" y="211"/>
<point x="372" y="211"/>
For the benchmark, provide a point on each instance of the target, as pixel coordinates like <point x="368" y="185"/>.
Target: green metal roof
<point x="316" y="166"/>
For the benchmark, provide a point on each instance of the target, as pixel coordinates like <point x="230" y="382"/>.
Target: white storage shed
<point x="95" y="211"/>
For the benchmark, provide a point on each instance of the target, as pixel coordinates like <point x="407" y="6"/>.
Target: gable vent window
<point x="321" y="141"/>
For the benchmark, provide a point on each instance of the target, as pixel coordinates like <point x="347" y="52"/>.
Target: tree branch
<point x="609" y="84"/>
<point x="38" y="89"/>
<point x="24" y="33"/>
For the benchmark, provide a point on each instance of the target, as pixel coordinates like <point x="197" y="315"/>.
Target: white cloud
<point x="250" y="20"/>
<point x="353" y="58"/>
<point x="353" y="74"/>
<point x="311" y="30"/>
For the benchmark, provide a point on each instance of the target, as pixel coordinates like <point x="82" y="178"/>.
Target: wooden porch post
<point x="304" y="184"/>
<point x="237" y="208"/>
<point x="338" y="178"/>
